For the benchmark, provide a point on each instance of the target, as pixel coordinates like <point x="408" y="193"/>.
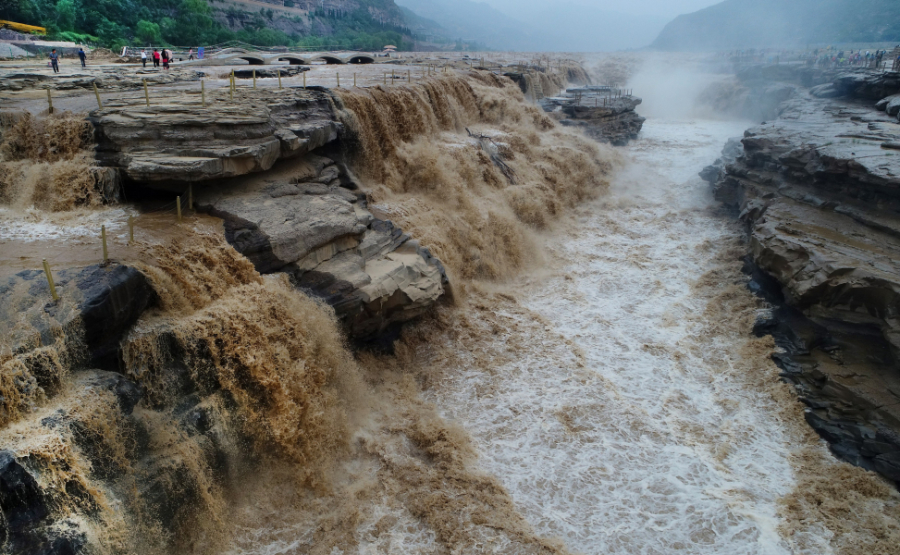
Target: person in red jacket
<point x="155" y="58"/>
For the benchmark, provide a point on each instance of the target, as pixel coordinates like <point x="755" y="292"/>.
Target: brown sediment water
<point x="423" y="169"/>
<point x="611" y="400"/>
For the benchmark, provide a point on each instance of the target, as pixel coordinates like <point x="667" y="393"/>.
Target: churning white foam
<point x="622" y="426"/>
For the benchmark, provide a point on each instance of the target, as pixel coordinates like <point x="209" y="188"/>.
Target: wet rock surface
<point x="97" y="305"/>
<point x="109" y="79"/>
<point x="616" y="123"/>
<point x="315" y="228"/>
<point x="171" y="144"/>
<point x="820" y="196"/>
<point x="605" y="114"/>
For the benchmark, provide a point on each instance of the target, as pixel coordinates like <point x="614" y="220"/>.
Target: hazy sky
<point x="660" y="8"/>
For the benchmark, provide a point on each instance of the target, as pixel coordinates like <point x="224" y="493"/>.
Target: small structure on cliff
<point x="606" y="113"/>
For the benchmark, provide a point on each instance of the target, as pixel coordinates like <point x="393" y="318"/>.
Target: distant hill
<point x="359" y="24"/>
<point x="783" y="23"/>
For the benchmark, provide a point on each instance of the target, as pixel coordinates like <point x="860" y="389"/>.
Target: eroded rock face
<point x="616" y="122"/>
<point x="315" y="228"/>
<point x="820" y="196"/>
<point x="867" y="84"/>
<point x="167" y="145"/>
<point x="97" y="305"/>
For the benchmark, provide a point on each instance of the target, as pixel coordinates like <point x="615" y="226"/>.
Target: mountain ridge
<point x="775" y="23"/>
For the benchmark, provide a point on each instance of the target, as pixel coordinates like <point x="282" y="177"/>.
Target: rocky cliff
<point x="819" y="192"/>
<point x="305" y="217"/>
<point x="613" y="121"/>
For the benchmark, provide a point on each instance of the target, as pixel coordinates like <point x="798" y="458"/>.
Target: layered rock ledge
<point x="308" y="222"/>
<point x="167" y="145"/>
<point x="616" y="122"/>
<point x="820" y="195"/>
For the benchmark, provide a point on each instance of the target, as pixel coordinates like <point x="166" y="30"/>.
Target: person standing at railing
<point x="155" y="58"/>
<point x="82" y="56"/>
<point x="190" y="54"/>
<point x="165" y="58"/>
<point x="144" y="58"/>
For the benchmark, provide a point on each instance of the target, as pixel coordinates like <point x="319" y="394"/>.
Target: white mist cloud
<point x="655" y="8"/>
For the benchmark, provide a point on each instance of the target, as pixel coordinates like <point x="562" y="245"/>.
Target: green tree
<point x="148" y="32"/>
<point x="65" y="15"/>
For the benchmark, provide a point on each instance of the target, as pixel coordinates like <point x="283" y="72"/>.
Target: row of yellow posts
<point x="232" y="85"/>
<point x="105" y="261"/>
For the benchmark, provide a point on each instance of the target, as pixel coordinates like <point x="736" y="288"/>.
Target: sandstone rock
<point x="892" y="108"/>
<point x="171" y="144"/>
<point x="616" y="123"/>
<point x="883" y="103"/>
<point x="821" y="201"/>
<point x="867" y="84"/>
<point x="333" y="247"/>
<point x="97" y="305"/>
<point x="827" y="90"/>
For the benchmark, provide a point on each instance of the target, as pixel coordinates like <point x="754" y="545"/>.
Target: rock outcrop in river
<point x="305" y="218"/>
<point x="819" y="192"/>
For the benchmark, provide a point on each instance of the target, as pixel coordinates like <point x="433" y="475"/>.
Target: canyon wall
<point x="819" y="193"/>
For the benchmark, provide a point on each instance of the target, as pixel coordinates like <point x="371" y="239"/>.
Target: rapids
<point x="622" y="423"/>
<point x="621" y="398"/>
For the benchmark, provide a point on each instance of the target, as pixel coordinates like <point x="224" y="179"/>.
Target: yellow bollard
<point x="304" y="79"/>
<point x="103" y="238"/>
<point x="338" y="80"/>
<point x="279" y="79"/>
<point x="97" y="94"/>
<point x="178" y="207"/>
<point x="408" y="76"/>
<point x="130" y="230"/>
<point x="203" y="92"/>
<point x="190" y="196"/>
<point x="385" y="78"/>
<point x="50" y="280"/>
<point x="231" y="89"/>
<point x="354" y="80"/>
<point x="254" y="78"/>
<point x="146" y="93"/>
<point x="50" y="102"/>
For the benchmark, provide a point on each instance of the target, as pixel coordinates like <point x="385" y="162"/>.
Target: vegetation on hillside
<point x="115" y="23"/>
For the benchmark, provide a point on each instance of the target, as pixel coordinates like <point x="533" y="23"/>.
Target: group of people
<point x="163" y="57"/>
<point x="160" y="57"/>
<point x="54" y="59"/>
<point x="867" y="59"/>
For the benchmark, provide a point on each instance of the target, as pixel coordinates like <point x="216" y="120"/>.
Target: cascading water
<point x="593" y="388"/>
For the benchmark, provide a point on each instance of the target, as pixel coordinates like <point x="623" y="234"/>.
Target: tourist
<point x="54" y="60"/>
<point x="155" y="58"/>
<point x="165" y="59"/>
<point x="144" y="58"/>
<point x="82" y="56"/>
<point x="190" y="54"/>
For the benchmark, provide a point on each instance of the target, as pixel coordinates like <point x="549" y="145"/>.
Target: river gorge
<point x="495" y="309"/>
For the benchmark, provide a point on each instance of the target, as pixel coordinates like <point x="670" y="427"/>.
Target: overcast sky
<point x="659" y="8"/>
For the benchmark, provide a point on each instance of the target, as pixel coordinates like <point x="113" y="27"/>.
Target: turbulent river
<point x="622" y="422"/>
<point x="617" y="396"/>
